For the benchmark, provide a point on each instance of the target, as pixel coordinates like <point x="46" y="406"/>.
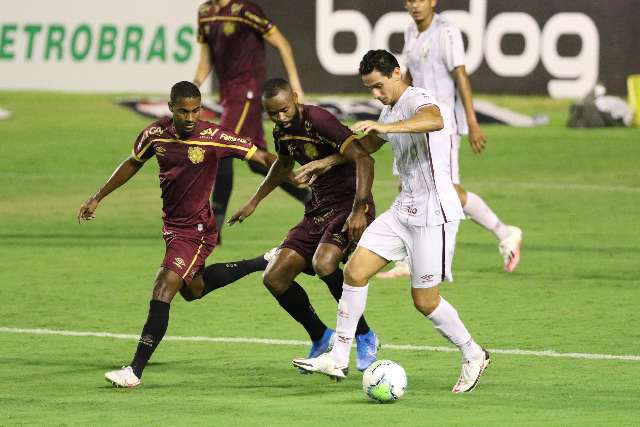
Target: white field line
<point x="241" y="340"/>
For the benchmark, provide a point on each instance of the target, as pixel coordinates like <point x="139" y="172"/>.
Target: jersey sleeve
<point x="203" y="12"/>
<point x="142" y="147"/>
<point x="229" y="144"/>
<point x="418" y="100"/>
<point x="330" y="128"/>
<point x="256" y="18"/>
<point x="453" y="47"/>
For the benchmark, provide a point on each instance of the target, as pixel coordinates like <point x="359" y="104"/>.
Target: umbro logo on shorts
<point x="427" y="278"/>
<point x="179" y="262"/>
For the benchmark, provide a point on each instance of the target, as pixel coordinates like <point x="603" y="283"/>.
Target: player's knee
<point x="354" y="276"/>
<point x="426" y="306"/>
<point x="323" y="266"/>
<point x="274" y="282"/>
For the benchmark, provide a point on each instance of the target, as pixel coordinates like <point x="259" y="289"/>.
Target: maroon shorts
<point x="244" y="117"/>
<point x="305" y="237"/>
<point x="187" y="250"/>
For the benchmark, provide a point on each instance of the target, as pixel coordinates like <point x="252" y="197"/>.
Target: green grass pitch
<point x="575" y="193"/>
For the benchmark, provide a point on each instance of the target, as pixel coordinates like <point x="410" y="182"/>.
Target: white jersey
<point x="421" y="162"/>
<point x="430" y="57"/>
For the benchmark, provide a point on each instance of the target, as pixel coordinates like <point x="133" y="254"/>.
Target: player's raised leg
<point x="219" y="275"/>
<point x="166" y="285"/>
<point x="326" y="265"/>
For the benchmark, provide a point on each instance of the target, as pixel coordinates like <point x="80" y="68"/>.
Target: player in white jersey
<point x="421" y="224"/>
<point x="435" y="61"/>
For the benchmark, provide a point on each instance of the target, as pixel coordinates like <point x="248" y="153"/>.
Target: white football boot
<point x="123" y="377"/>
<point x="471" y="371"/>
<point x="322" y="364"/>
<point x="270" y="254"/>
<point x="510" y="248"/>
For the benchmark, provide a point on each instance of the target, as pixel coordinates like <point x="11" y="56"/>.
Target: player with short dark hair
<point x="340" y="208"/>
<point x="421" y="224"/>
<point x="231" y="34"/>
<point x="188" y="151"/>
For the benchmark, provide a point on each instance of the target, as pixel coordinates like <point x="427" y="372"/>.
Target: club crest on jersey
<point x="310" y="151"/>
<point x="179" y="262"/>
<point x="196" y="155"/>
<point x="307" y="126"/>
<point x="228" y="28"/>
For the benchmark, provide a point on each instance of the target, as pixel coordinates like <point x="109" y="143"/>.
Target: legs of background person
<point x="476" y="209"/>
<point x="326" y="262"/>
<point x="278" y="278"/>
<point x="362" y="265"/>
<point x="509" y="236"/>
<point x="222" y="192"/>
<point x="166" y="286"/>
<point x="300" y="194"/>
<point x="219" y="275"/>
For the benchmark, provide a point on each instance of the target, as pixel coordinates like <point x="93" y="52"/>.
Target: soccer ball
<point x="384" y="381"/>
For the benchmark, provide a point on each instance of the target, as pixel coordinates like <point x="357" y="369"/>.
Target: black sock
<point x="222" y="192"/>
<point x="296" y="302"/>
<point x="222" y="274"/>
<point x="334" y="282"/>
<point x="300" y="194"/>
<point x="151" y="335"/>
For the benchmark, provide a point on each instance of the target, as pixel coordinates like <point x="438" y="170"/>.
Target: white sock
<point x="446" y="321"/>
<point x="477" y="210"/>
<point x="350" y="309"/>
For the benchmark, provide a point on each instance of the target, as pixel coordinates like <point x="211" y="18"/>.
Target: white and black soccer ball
<point x="384" y="381"/>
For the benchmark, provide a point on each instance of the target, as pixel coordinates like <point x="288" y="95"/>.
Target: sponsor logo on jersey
<point x="196" y="155"/>
<point x="209" y="132"/>
<point x="179" y="262"/>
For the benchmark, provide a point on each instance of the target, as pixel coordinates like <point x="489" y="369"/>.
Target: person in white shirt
<point x="435" y="61"/>
<point x="421" y="224"/>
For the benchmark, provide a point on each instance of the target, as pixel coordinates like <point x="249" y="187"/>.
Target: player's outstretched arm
<point x="204" y="65"/>
<point x="278" y="173"/>
<point x="357" y="221"/>
<point x="122" y="174"/>
<point x="426" y="119"/>
<point x="477" y="140"/>
<point x="276" y="39"/>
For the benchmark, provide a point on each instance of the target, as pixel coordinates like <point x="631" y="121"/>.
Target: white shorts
<point x="454" y="158"/>
<point x="429" y="249"/>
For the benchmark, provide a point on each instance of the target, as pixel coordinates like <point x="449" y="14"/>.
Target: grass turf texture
<point x="575" y="193"/>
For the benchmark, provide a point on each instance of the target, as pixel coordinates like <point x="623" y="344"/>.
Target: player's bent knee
<point x="324" y="266"/>
<point x="167" y="285"/>
<point x="426" y="307"/>
<point x="274" y="283"/>
<point x="355" y="276"/>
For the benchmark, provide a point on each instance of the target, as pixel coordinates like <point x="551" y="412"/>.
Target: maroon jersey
<point x="188" y="168"/>
<point x="319" y="134"/>
<point x="234" y="35"/>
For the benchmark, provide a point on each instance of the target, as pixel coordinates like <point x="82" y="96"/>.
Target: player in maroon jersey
<point x="231" y="34"/>
<point x="340" y="208"/>
<point x="188" y="151"/>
